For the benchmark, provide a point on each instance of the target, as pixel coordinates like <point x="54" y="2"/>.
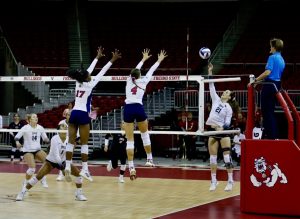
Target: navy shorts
<point x="79" y="117"/>
<point x="134" y="111"/>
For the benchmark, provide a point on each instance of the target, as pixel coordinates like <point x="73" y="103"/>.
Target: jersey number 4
<point x="134" y="90"/>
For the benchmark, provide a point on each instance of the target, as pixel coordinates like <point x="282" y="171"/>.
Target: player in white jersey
<point x="219" y="119"/>
<point x="79" y="118"/>
<point x="32" y="134"/>
<point x="67" y="113"/>
<point x="56" y="159"/>
<point x="134" y="110"/>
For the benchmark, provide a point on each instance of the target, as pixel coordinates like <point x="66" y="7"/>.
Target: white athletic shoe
<point x="109" y="166"/>
<point x="149" y="163"/>
<point x="20" y="196"/>
<point x="44" y="183"/>
<point x="60" y="177"/>
<point x="229" y="186"/>
<point x="132" y="173"/>
<point x="68" y="175"/>
<point x="213" y="186"/>
<point x="79" y="196"/>
<point x="121" y="179"/>
<point x="86" y="174"/>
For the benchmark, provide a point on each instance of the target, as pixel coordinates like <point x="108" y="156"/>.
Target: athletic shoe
<point x="229" y="186"/>
<point x="86" y="174"/>
<point x="132" y="173"/>
<point x="121" y="179"/>
<point x="79" y="196"/>
<point x="213" y="186"/>
<point x="60" y="177"/>
<point x="149" y="163"/>
<point x="44" y="183"/>
<point x="109" y="166"/>
<point x="20" y="196"/>
<point x="68" y="175"/>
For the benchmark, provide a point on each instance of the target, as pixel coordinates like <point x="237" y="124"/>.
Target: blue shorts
<point x="79" y="117"/>
<point x="134" y="111"/>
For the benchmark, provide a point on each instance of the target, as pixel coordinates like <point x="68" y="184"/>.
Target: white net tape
<point x="201" y="80"/>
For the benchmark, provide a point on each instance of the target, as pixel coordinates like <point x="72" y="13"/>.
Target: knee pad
<point x="213" y="159"/>
<point x="226" y="149"/>
<point x="146" y="138"/>
<point x="33" y="181"/>
<point x="228" y="161"/>
<point x="30" y="171"/>
<point x="70" y="148"/>
<point x="85" y="149"/>
<point x="130" y="145"/>
<point x="78" y="180"/>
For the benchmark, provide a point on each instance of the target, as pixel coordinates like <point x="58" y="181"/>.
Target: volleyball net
<point x="185" y="94"/>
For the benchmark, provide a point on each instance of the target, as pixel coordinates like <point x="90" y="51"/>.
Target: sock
<point x="130" y="164"/>
<point x="230" y="177"/>
<point x="214" y="177"/>
<point x="149" y="156"/>
<point x="85" y="165"/>
<point x="68" y="164"/>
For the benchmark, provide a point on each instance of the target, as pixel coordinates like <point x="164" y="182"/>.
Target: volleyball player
<point x="16" y="124"/>
<point x="56" y="159"/>
<point x="32" y="134"/>
<point x="67" y="113"/>
<point x="134" y="110"/>
<point x="115" y="144"/>
<point x="219" y="119"/>
<point x="79" y="118"/>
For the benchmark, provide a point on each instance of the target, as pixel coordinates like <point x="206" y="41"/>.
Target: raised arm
<point x="146" y="56"/>
<point x="212" y="90"/>
<point x="100" y="54"/>
<point x="115" y="56"/>
<point x="160" y="57"/>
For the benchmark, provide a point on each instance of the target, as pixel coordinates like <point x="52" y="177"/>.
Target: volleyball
<point x="204" y="53"/>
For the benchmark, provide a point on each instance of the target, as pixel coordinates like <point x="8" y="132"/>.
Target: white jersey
<point x="220" y="113"/>
<point x="83" y="91"/>
<point x="257" y="133"/>
<point x="65" y="123"/>
<point x="32" y="137"/>
<point x="135" y="91"/>
<point x="57" y="153"/>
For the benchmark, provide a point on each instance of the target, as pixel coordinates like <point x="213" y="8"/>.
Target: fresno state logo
<point x="264" y="173"/>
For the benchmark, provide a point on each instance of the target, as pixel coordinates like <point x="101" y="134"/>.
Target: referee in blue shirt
<point x="272" y="74"/>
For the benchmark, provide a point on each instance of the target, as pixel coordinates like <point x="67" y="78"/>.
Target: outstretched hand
<point x="162" y="55"/>
<point x="146" y="54"/>
<point x="116" y="55"/>
<point x="100" y="52"/>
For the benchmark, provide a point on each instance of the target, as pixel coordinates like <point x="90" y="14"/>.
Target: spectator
<point x="115" y="144"/>
<point x="68" y="109"/>
<point x="16" y="124"/>
<point x="237" y="139"/>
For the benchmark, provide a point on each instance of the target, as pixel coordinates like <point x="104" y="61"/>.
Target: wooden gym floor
<point x="160" y="192"/>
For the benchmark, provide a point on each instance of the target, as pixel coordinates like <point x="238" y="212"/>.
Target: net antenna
<point x="201" y="80"/>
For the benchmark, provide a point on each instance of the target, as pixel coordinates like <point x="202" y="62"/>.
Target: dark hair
<point x="135" y="74"/>
<point x="79" y="75"/>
